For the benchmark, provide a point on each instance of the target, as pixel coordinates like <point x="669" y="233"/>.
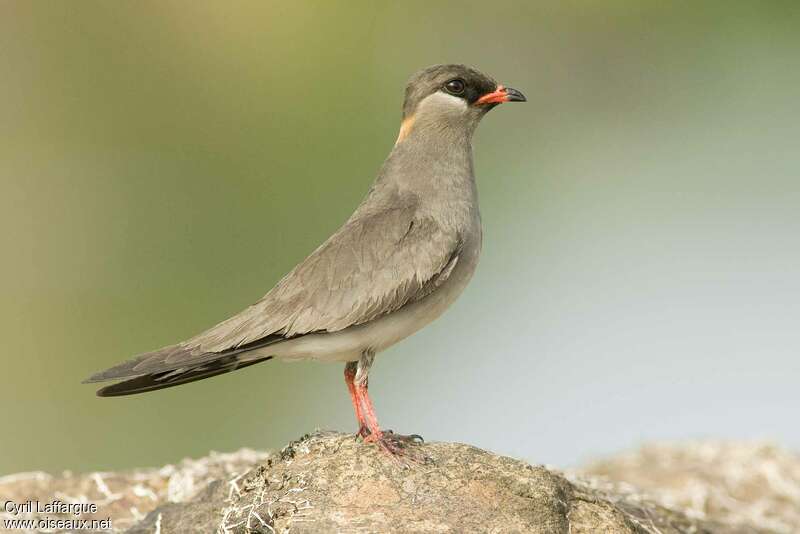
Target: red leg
<point x="349" y="375"/>
<point x="394" y="444"/>
<point x="368" y="412"/>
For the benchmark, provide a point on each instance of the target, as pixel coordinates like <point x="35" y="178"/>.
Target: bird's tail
<point x="176" y="365"/>
<point x="176" y="377"/>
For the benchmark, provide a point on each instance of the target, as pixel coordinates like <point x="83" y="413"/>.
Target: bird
<point x="400" y="260"/>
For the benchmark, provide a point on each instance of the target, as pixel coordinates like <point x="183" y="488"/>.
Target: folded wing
<point x="373" y="265"/>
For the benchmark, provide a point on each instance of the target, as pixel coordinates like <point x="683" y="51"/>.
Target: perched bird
<point x="398" y="262"/>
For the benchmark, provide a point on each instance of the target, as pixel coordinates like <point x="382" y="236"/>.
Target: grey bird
<point x="398" y="263"/>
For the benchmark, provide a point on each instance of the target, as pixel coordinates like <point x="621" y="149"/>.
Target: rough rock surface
<point x="747" y="484"/>
<point x="329" y="482"/>
<point x="126" y="496"/>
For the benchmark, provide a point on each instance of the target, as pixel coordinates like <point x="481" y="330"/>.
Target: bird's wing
<point x="177" y="363"/>
<point x="167" y="379"/>
<point x="375" y="264"/>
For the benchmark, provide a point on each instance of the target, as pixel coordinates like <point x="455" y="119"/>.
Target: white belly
<point x="348" y="344"/>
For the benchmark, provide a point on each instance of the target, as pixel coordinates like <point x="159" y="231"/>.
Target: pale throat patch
<point x="438" y="103"/>
<point x="441" y="101"/>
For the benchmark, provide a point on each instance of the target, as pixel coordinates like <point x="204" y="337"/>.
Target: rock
<point x="329" y="482"/>
<point x="126" y="497"/>
<point x="744" y="484"/>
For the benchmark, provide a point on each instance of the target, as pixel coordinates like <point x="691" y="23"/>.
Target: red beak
<point x="500" y="95"/>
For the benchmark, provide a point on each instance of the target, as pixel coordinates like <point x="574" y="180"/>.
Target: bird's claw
<point x="363" y="432"/>
<point x="410" y="438"/>
<point x="400" y="447"/>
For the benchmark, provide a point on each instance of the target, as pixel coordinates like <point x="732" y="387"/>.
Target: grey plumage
<point x="396" y="264"/>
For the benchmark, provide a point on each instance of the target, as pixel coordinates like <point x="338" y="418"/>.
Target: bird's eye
<point x="455" y="87"/>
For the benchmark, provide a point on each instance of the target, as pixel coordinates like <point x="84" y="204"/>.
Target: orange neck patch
<point x="405" y="128"/>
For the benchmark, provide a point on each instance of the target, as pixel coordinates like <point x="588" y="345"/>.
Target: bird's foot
<point x="363" y="432"/>
<point x="409" y="439"/>
<point x="400" y="447"/>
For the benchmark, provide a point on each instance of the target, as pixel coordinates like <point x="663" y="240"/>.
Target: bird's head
<point x="451" y="98"/>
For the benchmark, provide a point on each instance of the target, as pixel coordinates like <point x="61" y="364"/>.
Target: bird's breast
<point x="383" y="332"/>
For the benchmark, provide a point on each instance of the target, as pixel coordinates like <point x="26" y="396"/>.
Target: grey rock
<point x="328" y="482"/>
<point x="331" y="482"/>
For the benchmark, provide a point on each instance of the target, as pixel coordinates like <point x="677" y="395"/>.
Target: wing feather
<point x="375" y="264"/>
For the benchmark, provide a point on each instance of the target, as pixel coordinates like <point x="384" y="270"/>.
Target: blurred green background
<point x="162" y="164"/>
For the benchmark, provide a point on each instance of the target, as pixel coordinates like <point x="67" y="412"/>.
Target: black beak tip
<point x="514" y="95"/>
